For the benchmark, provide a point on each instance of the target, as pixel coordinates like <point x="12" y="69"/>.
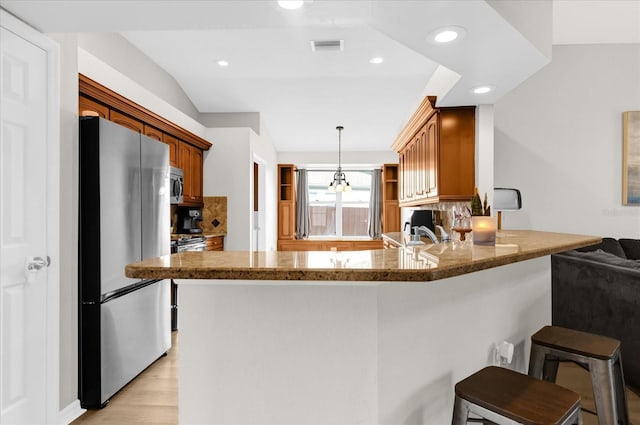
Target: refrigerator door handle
<point x="126" y="290"/>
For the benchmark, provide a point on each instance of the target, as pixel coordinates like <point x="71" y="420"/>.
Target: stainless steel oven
<point x="176" y="185"/>
<point x="193" y="243"/>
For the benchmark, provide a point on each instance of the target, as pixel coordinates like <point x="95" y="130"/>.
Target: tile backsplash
<point x="214" y="214"/>
<point x="442" y="213"/>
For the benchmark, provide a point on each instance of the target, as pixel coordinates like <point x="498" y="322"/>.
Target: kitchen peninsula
<point x="352" y="337"/>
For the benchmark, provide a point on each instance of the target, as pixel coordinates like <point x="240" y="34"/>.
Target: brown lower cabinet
<point x="215" y="243"/>
<point x="328" y="245"/>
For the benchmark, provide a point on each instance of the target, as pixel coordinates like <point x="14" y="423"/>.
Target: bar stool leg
<point x="460" y="412"/>
<point x="603" y="391"/>
<point x="536" y="361"/>
<point x="620" y="394"/>
<point x="574" y="419"/>
<point x="550" y="368"/>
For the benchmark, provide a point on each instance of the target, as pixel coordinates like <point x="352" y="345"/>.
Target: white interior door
<point x="23" y="225"/>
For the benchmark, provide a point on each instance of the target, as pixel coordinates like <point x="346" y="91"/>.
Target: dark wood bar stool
<point x="505" y="397"/>
<point x="599" y="354"/>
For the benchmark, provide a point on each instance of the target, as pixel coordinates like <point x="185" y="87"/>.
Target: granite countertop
<point x="409" y="264"/>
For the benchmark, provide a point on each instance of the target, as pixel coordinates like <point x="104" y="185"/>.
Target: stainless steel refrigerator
<point x="124" y="324"/>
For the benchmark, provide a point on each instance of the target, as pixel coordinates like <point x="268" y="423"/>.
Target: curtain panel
<point x="302" y="205"/>
<point x="375" y="205"/>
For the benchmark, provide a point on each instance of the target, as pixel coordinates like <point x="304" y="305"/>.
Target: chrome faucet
<point x="425" y="231"/>
<point x="443" y="234"/>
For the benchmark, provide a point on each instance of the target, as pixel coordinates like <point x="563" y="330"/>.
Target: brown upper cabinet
<point x="185" y="148"/>
<point x="174" y="149"/>
<point x="436" y="155"/>
<point x="152" y="133"/>
<point x="89" y="108"/>
<point x="191" y="164"/>
<point x="126" y="121"/>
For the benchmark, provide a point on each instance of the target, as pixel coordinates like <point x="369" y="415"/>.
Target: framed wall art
<point x="631" y="158"/>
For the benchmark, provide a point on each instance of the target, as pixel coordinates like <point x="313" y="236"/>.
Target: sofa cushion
<point x="601" y="256"/>
<point x="609" y="245"/>
<point x="631" y="248"/>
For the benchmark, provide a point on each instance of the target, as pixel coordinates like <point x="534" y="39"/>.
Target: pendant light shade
<point x="339" y="183"/>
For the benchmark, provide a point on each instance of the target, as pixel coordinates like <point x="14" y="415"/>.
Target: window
<point x="339" y="214"/>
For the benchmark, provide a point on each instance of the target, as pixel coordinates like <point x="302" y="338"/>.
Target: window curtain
<point x="375" y="205"/>
<point x="302" y="205"/>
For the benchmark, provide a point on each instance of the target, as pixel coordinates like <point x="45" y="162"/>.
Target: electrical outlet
<point x="502" y="353"/>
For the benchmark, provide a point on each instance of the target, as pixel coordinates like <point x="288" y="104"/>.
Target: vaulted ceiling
<point x="300" y="94"/>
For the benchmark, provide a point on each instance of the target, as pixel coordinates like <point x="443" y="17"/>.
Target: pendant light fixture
<point x="339" y="183"/>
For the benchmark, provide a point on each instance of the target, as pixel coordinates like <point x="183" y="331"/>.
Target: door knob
<point x="36" y="263"/>
<point x="32" y="265"/>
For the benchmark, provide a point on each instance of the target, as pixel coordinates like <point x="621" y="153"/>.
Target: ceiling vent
<point x="327" y="45"/>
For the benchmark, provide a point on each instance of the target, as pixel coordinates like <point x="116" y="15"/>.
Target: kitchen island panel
<point x="277" y="352"/>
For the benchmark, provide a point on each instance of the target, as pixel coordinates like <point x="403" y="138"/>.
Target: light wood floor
<point x="152" y="398"/>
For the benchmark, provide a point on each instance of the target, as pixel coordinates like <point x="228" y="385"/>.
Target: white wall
<point x="558" y="138"/>
<point x="262" y="149"/>
<point x="485" y="151"/>
<point x="227" y="172"/>
<point x="68" y="382"/>
<point x="115" y="50"/>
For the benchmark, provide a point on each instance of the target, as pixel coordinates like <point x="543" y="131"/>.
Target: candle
<point x="484" y="230"/>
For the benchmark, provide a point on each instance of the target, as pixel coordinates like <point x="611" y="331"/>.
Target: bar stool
<point x="505" y="397"/>
<point x="598" y="354"/>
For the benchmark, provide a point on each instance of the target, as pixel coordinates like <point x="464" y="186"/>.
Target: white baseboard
<point x="70" y="413"/>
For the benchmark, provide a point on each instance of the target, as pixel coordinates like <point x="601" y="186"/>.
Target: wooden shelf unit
<point x="286" y="202"/>
<point x="390" y="208"/>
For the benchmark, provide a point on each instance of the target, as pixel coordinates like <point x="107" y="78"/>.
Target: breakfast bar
<point x="341" y="337"/>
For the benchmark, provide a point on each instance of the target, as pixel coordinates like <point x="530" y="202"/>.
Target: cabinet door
<point x="215" y="243"/>
<point x="89" y="108"/>
<point x="191" y="164"/>
<point x="407" y="173"/>
<point x="185" y="164"/>
<point x="286" y="220"/>
<point x="421" y="173"/>
<point x="432" y="156"/>
<point x="152" y="133"/>
<point x="126" y="121"/>
<point x="196" y="174"/>
<point x="391" y="217"/>
<point x="174" y="149"/>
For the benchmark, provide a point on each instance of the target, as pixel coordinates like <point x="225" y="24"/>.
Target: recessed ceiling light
<point x="223" y="63"/>
<point x="290" y="4"/>
<point x="481" y="89"/>
<point x="376" y="60"/>
<point x="446" y="35"/>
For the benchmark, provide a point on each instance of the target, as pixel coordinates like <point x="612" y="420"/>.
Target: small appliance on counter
<point x="420" y="218"/>
<point x="188" y="219"/>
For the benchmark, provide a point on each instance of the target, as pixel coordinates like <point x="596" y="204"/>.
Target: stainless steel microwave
<point x="176" y="185"/>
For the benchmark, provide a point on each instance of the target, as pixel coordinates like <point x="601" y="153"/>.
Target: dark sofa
<point x="597" y="289"/>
